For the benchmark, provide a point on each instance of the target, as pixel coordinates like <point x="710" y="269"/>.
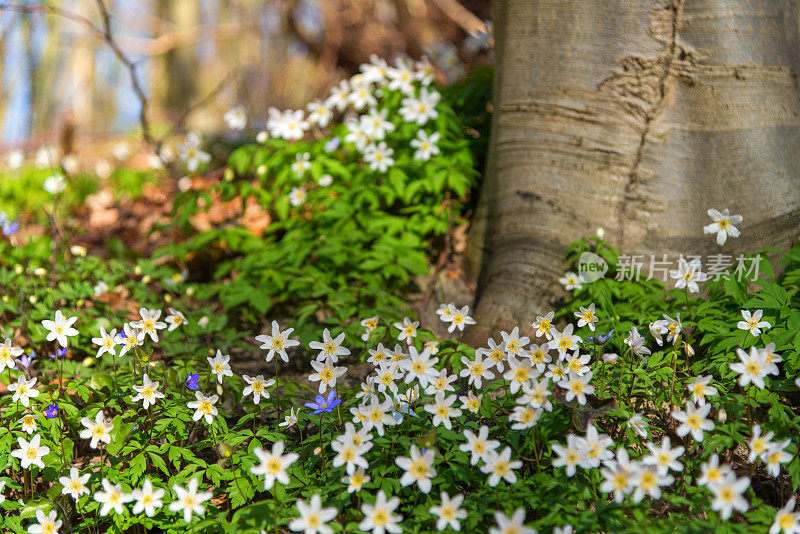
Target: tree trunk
<point x="636" y="116"/>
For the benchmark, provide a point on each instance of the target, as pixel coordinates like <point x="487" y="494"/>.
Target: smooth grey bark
<point x="637" y="117"/>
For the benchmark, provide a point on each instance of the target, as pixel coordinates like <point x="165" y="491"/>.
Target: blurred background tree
<point x="56" y="72"/>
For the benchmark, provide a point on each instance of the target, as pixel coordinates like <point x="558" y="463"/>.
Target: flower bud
<point x="40" y="271"/>
<point x="722" y="415"/>
<point x="600" y="233"/>
<point x="203" y="321"/>
<point x="32" y="299"/>
<point x="688" y="350"/>
<point x="317" y="451"/>
<point x="610" y="358"/>
<point x="146" y="279"/>
<point x="224" y="450"/>
<point x="77" y="250"/>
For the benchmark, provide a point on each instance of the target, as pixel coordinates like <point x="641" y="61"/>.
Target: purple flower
<point x="25" y="361"/>
<point x="52" y="411"/>
<point x="60" y="353"/>
<point x="192" y="381"/>
<point x="601" y="338"/>
<point x="332" y="145"/>
<point x="10" y="227"/>
<point x="324" y="405"/>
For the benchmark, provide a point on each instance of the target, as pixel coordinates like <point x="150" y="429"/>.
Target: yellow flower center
<point x="205" y="407"/>
<point x="419" y="469"/>
<point x="326" y="375"/>
<point x="443" y="411"/>
<point x="31" y="452"/>
<point x="274" y="466"/>
<point x="693" y="421"/>
<point x="477" y="369"/>
<point x="380" y="518"/>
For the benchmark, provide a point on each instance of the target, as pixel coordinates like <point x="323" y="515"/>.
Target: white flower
<point x="339" y="96"/>
<point x="577" y="363"/>
<point x="700" y="389"/>
<point x="648" y="481"/>
<point x="449" y="513"/>
<point x="478" y="445"/>
<point x="693" y="420"/>
<point x="24" y="390"/>
<point x="442" y="410"/>
<point x="543" y="325"/>
<point x="753" y="322"/>
<point x="74" y="485"/>
<point x="45" y="524"/>
<point x="191" y="154"/>
<point x="54" y="184"/>
<point x="257" y="387"/>
<point x="477" y="370"/>
<point x="712" y="472"/>
<point x="775" y="456"/>
<point x="379" y="517"/>
<point x="401" y="76"/>
<point x="128" y="338"/>
<point x="149" y="325"/>
<point x="408" y="330"/>
<point x="499" y="466"/>
<point x="688" y="274"/>
<point x="60" y="329"/>
<point x="351" y="447"/>
<point x="618" y="475"/>
<point x="148" y="499"/>
<point x="637" y="424"/>
<point x="297" y="196"/>
<point x="220" y="365"/>
<point x="471" y="402"/>
<point x="361" y="95"/>
<point x="15" y="159"/>
<point x="570" y="456"/>
<point x="419" y="366"/>
<point x="313" y="517"/>
<point x="31" y="452"/>
<point x="369" y="325"/>
<point x="329" y="347"/>
<point x="422" y="109"/>
<point x="273" y="464"/>
<point x="290" y="420"/>
<point x="319" y="113"/>
<point x="536" y="394"/>
<point x="189" y="501"/>
<point x="664" y="457"/>
<point x="425" y="145"/>
<point x="759" y="444"/>
<point x="539" y="356"/>
<point x="418" y="468"/>
<point x="112" y="498"/>
<point x="458" y="318"/>
<point x="28" y="422"/>
<point x="565" y="340"/>
<point x="326" y="373"/>
<point x="636" y="342"/>
<point x="107" y="342"/>
<point x="524" y="417"/>
<point x="723" y="225"/>
<point x="7" y="354"/>
<point x="571" y="281"/>
<point x="786" y="520"/>
<point x="511" y="525"/>
<point x="356" y="480"/>
<point x="97" y="430"/>
<point x="374" y="71"/>
<point x="278" y="342"/>
<point x="147" y="393"/>
<point x="515" y="345"/>
<point x="518" y="374"/>
<point x="301" y="163"/>
<point x="236" y="118"/>
<point x="753" y="367"/>
<point x="577" y="387"/>
<point x="594" y="447"/>
<point x="586" y="317"/>
<point x="375" y="125"/>
<point x="728" y="495"/>
<point x="495" y="352"/>
<point x="325" y="180"/>
<point x="379" y="157"/>
<point x="204" y="407"/>
<point x="175" y="319"/>
<point x="377" y="415"/>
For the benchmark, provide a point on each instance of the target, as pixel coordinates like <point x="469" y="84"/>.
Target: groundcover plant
<point x="638" y="406"/>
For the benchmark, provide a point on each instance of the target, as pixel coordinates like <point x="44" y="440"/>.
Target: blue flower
<point x="332" y="145"/>
<point x="10" y="227"/>
<point x="324" y="405"/>
<point x="192" y="381"/>
<point x="60" y="353"/>
<point x="25" y="361"/>
<point x="601" y="338"/>
<point x="52" y="411"/>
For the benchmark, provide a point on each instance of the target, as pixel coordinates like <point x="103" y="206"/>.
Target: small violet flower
<point x="52" y="411"/>
<point x="323" y="404"/>
<point x="193" y="381"/>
